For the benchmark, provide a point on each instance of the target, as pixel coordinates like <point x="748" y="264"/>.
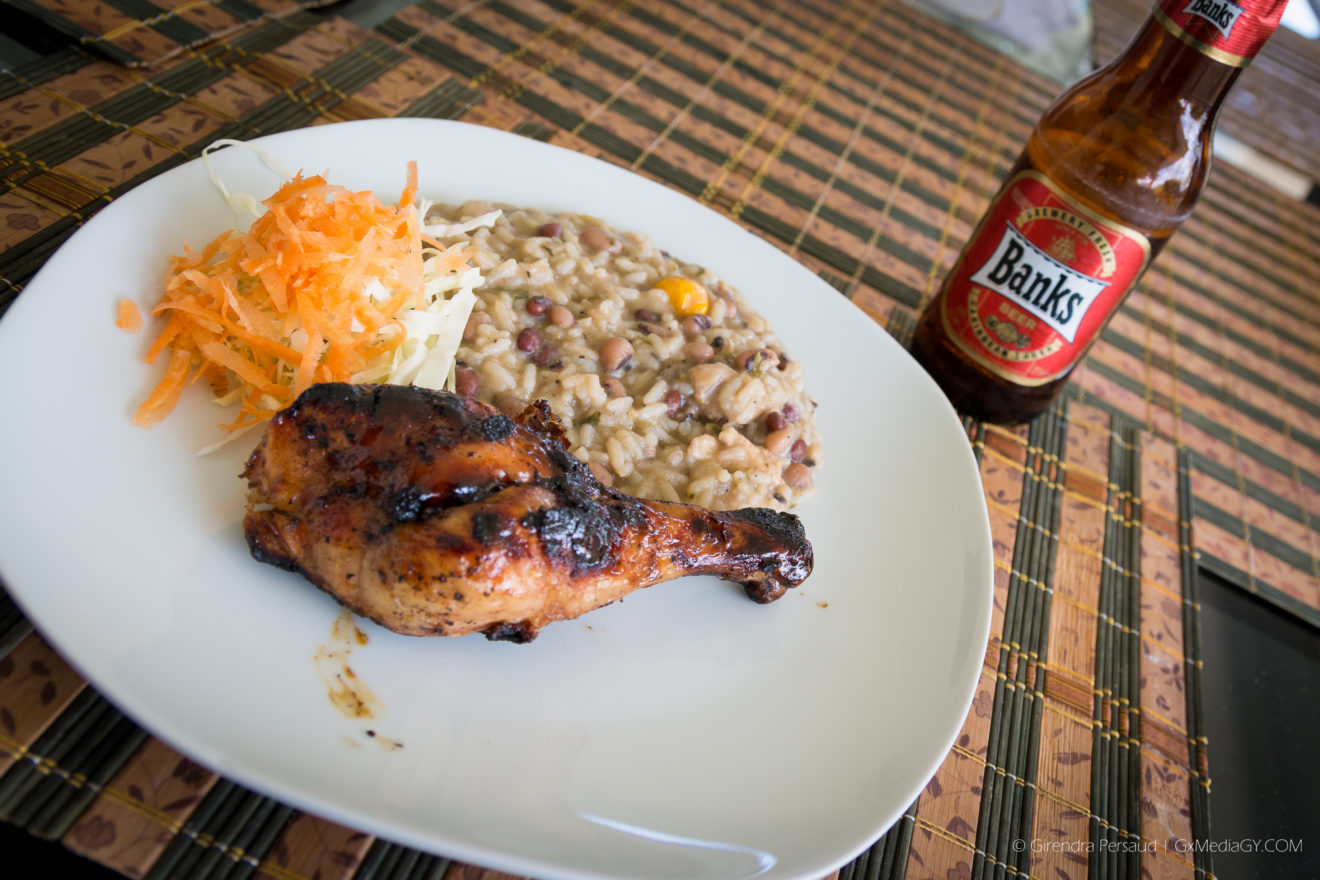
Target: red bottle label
<point x="1038" y="281"/>
<point x="1230" y="33"/>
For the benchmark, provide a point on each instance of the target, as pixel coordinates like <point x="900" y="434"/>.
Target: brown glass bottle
<point x="1126" y="150"/>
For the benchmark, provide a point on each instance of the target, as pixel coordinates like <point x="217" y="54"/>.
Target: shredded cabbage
<point x="446" y="230"/>
<point x="242" y="203"/>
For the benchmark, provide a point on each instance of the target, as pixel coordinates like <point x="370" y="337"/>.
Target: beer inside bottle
<point x="1108" y="174"/>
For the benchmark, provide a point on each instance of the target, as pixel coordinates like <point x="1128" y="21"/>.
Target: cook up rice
<point x="711" y="412"/>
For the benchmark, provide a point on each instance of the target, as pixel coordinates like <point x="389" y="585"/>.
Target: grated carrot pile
<point x="312" y="292"/>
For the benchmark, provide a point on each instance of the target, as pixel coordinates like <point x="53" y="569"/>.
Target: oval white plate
<point x="685" y="732"/>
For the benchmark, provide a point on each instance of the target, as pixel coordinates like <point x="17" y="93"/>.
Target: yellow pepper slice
<point x="686" y="296"/>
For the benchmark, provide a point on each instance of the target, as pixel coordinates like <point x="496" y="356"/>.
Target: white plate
<point x="685" y="732"/>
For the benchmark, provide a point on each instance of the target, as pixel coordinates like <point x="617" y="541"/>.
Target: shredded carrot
<point x="166" y="393"/>
<point x="312" y="292"/>
<point x="130" y="316"/>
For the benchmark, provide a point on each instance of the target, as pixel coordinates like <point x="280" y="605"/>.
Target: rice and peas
<point x="667" y="389"/>
<point x="669" y="386"/>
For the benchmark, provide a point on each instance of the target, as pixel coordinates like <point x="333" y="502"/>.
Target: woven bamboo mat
<point x="139" y="32"/>
<point x="865" y="140"/>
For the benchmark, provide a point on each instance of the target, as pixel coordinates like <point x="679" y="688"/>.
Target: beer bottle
<point x="1111" y="169"/>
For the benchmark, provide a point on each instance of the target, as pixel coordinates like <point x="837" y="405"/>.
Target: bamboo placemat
<point x="140" y="32"/>
<point x="863" y="139"/>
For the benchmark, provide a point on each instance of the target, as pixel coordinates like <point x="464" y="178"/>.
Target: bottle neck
<point x="1164" y="66"/>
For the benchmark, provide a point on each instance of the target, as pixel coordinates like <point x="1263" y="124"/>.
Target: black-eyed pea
<point x="615" y="353"/>
<point x="549" y="230"/>
<point x="698" y="352"/>
<point x="755" y="360"/>
<point x="474" y="322"/>
<point x="560" y="316"/>
<point x="466" y="381"/>
<point x="546" y="356"/>
<point x="779" y="442"/>
<point x="613" y="387"/>
<point x="798" y="450"/>
<point x="509" y="403"/>
<point x="774" y="422"/>
<point x="730" y="306"/>
<point x="529" y="340"/>
<point x="538" y="306"/>
<point x="695" y="325"/>
<point x="673" y="401"/>
<point x="599" y="240"/>
<point x="798" y="475"/>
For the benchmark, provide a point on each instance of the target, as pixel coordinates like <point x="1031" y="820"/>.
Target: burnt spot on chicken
<point x="491" y="528"/>
<point x="262" y="553"/>
<point x="435" y="514"/>
<point x="497" y="427"/>
<point x="519" y="633"/>
<point x="405" y="505"/>
<point x="581" y="535"/>
<point x="785" y="526"/>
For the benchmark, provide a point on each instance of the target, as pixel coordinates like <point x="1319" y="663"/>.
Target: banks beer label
<point x="1038" y="281"/>
<point x="1229" y="32"/>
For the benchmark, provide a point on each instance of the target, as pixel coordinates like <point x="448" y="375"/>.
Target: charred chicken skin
<point x="435" y="514"/>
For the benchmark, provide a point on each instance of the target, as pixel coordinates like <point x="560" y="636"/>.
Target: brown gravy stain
<point x="349" y="694"/>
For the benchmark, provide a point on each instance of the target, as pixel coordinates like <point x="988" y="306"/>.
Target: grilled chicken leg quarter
<point x="435" y="514"/>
